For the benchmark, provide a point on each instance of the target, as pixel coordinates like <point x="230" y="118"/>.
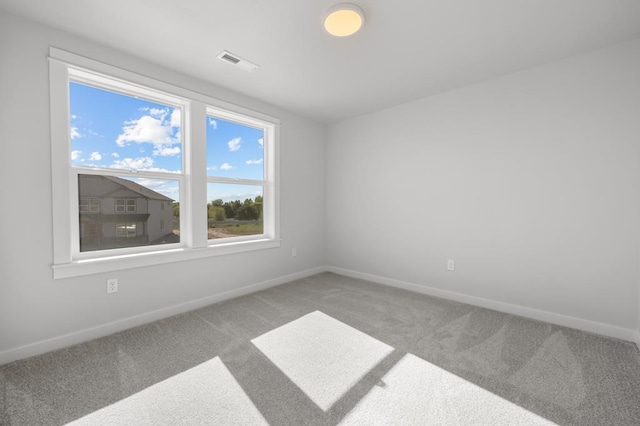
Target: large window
<point x="141" y="167"/>
<point x="235" y="178"/>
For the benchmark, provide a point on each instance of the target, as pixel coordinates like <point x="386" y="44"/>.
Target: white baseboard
<point x="66" y="340"/>
<point x="550" y="317"/>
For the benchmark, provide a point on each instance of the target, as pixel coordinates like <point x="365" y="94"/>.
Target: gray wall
<point x="531" y="182"/>
<point x="33" y="306"/>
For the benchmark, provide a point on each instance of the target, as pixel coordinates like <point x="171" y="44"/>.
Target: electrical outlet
<point x="451" y="265"/>
<point x="294" y="252"/>
<point x="112" y="285"/>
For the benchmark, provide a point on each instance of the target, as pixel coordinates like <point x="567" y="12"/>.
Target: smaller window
<point x="89" y="205"/>
<point x="126" y="230"/>
<point x="125" y="205"/>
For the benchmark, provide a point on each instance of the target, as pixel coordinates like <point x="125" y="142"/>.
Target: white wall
<point x="33" y="306"/>
<point x="531" y="182"/>
<point x="638" y="329"/>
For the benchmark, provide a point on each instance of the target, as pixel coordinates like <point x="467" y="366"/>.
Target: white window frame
<point x="68" y="261"/>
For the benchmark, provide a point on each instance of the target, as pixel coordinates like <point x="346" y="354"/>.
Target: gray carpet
<point x="327" y="350"/>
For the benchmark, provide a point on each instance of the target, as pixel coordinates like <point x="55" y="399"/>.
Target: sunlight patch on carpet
<point x="321" y="355"/>
<point x="205" y="394"/>
<point x="415" y="392"/>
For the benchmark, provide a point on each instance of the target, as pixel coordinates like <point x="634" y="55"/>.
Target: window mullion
<point x="196" y="170"/>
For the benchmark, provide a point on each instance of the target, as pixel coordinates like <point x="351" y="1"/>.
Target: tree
<point x="247" y="211"/>
<point x="216" y="212"/>
<point x="231" y="208"/>
<point x="257" y="205"/>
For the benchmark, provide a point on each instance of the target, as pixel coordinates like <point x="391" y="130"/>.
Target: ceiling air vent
<point x="237" y="61"/>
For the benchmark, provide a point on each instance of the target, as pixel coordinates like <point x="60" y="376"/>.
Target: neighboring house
<point x="116" y="212"/>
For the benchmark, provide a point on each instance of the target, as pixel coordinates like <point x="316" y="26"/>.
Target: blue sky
<point x="110" y="130"/>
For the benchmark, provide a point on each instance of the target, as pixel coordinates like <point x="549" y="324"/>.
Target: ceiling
<point x="408" y="49"/>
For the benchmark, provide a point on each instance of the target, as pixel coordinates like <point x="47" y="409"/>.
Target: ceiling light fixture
<point x="343" y="19"/>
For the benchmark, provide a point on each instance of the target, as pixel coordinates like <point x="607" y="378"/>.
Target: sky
<point x="111" y="130"/>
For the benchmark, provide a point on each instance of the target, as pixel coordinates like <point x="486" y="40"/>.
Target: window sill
<point x="117" y="263"/>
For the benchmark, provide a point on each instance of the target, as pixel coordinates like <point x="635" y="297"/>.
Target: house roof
<point x="137" y="188"/>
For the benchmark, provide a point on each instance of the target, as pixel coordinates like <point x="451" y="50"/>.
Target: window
<point x="126" y="230"/>
<point x="235" y="177"/>
<point x="89" y="205"/>
<point x="126" y="205"/>
<point x="121" y="144"/>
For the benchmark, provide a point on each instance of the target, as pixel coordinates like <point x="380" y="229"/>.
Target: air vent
<point x="230" y="58"/>
<point x="237" y="61"/>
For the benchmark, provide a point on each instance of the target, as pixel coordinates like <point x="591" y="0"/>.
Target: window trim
<point x="193" y="245"/>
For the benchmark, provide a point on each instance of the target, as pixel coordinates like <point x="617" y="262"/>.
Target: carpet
<point x="329" y="350"/>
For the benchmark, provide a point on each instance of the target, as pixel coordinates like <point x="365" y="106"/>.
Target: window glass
<point x="132" y="208"/>
<point x="234" y="210"/>
<point x="112" y="130"/>
<point x="234" y="150"/>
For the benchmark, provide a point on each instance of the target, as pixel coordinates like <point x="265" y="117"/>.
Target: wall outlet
<point x="294" y="252"/>
<point x="112" y="285"/>
<point x="451" y="265"/>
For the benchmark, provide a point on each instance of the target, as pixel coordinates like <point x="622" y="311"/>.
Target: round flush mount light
<point x="343" y="19"/>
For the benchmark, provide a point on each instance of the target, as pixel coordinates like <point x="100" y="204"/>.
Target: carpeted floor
<point x="327" y="350"/>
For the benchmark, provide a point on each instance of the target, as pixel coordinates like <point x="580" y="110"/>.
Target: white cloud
<point x="115" y="155"/>
<point x="159" y="169"/>
<point x="75" y="133"/>
<point x="166" y="151"/>
<point x="175" y="118"/>
<point x="261" y="141"/>
<point x="255" y="161"/>
<point x="213" y="123"/>
<point x="234" y="144"/>
<point x="158" y="112"/>
<point x="226" y="166"/>
<point x="75" y="154"/>
<point x="147" y="129"/>
<point x="212" y="168"/>
<point x="95" y="156"/>
<point x="133" y="163"/>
